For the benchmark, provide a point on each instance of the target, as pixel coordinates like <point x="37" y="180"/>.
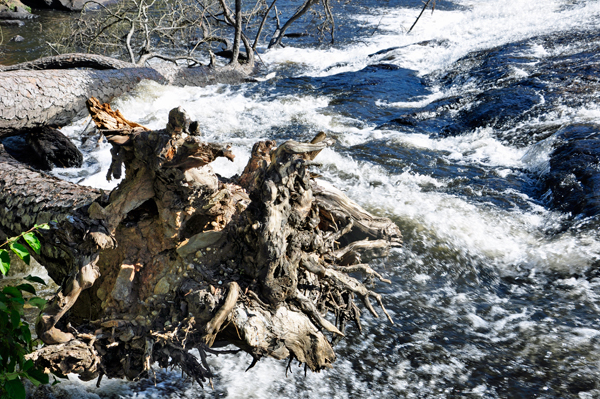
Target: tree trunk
<point x="31" y="98"/>
<point x="177" y="258"/>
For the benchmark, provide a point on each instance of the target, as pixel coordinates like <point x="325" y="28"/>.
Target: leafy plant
<point x="15" y="336"/>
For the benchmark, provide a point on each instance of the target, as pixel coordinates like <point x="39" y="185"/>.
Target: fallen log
<point x="176" y="258"/>
<point x="31" y="95"/>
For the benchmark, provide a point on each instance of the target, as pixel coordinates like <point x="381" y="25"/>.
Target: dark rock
<point x="11" y="22"/>
<point x="494" y="108"/>
<point x="574" y="174"/>
<point x="69" y="5"/>
<point x="43" y="149"/>
<point x="296" y="34"/>
<point x="229" y="54"/>
<point x="20" y="13"/>
<point x="581" y="383"/>
<point x="18" y="148"/>
<point x="385" y="51"/>
<point x="54" y="149"/>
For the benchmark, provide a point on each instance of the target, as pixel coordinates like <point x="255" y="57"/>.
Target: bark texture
<point x="32" y="98"/>
<point x="176" y="258"/>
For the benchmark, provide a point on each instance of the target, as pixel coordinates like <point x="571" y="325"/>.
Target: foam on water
<point x="480" y="25"/>
<point x="441" y="37"/>
<point x="509" y="238"/>
<point x="505" y="237"/>
<point x="513" y="241"/>
<point x="224" y="112"/>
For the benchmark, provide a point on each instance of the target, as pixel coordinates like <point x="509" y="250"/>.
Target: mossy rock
<point x="12" y="5"/>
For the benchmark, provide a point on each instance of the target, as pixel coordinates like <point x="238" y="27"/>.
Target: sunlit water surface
<point x="451" y="134"/>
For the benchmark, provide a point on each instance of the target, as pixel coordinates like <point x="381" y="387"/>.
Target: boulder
<point x="54" y="149"/>
<point x="69" y="5"/>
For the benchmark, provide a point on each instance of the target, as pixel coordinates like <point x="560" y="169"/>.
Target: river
<point x="477" y="133"/>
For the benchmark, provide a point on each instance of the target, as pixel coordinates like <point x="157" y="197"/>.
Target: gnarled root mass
<point x="185" y="259"/>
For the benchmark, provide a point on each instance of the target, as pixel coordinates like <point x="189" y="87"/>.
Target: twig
<point x="262" y="24"/>
<point x="421" y="13"/>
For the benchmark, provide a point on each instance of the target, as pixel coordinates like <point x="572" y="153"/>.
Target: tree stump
<point x="177" y="258"/>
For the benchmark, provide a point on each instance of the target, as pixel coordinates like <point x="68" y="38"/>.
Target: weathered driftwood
<point x="177" y="258"/>
<point x="31" y="98"/>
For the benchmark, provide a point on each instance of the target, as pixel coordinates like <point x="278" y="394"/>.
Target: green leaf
<point x="13" y="375"/>
<point x="21" y="251"/>
<point x="15" y="389"/>
<point x="10" y="290"/>
<point x="4" y="261"/>
<point x="33" y="241"/>
<point x="35" y="279"/>
<point x="43" y="226"/>
<point x="3" y="307"/>
<point x="20" y="301"/>
<point x="39" y="303"/>
<point x="27" y="288"/>
<point x="38" y="375"/>
<point x="15" y="318"/>
<point x="4" y="320"/>
<point x="28" y="364"/>
<point x="26" y="333"/>
<point x="11" y="368"/>
<point x="59" y="375"/>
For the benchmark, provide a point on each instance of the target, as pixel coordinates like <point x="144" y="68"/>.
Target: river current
<point x="477" y="133"/>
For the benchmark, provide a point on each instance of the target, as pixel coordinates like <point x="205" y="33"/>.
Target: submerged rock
<point x="573" y="179"/>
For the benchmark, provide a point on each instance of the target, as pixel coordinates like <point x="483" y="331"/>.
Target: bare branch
<point x="421" y="13"/>
<point x="262" y="24"/>
<point x="279" y="33"/>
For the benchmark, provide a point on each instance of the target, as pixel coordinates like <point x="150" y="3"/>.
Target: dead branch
<point x="421" y="13"/>
<point x="203" y="262"/>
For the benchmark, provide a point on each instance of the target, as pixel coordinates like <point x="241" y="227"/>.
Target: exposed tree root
<point x="263" y="262"/>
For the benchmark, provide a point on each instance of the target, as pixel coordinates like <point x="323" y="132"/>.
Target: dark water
<point x="40" y="35"/>
<point x="478" y="135"/>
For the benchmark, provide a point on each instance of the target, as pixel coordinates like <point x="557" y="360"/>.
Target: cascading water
<point x="454" y="132"/>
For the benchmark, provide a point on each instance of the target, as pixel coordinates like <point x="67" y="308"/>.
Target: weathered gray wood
<point x="55" y="97"/>
<point x="33" y="98"/>
<point x="199" y="261"/>
<point x="69" y="249"/>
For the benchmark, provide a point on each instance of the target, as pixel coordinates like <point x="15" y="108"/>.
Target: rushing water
<point x="477" y="134"/>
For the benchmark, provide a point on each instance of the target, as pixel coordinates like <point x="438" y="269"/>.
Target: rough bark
<point x="34" y="98"/>
<point x="177" y="258"/>
<point x="69" y="61"/>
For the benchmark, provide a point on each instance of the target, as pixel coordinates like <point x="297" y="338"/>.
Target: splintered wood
<point x="111" y="122"/>
<point x="200" y="261"/>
